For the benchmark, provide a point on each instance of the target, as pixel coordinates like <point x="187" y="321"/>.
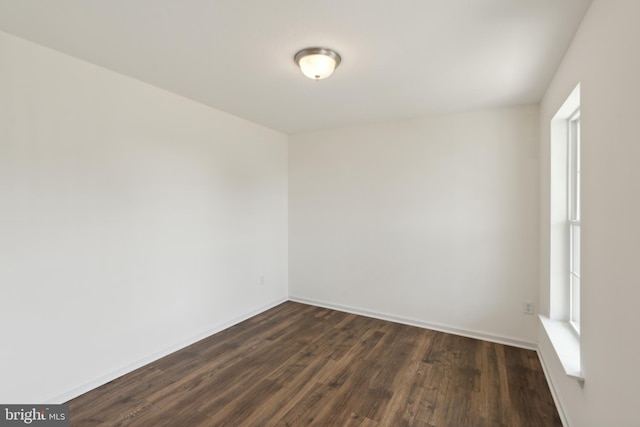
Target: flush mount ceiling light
<point x="317" y="62"/>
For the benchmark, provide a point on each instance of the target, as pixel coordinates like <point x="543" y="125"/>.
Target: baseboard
<point x="97" y="382"/>
<point x="421" y="324"/>
<point x="554" y="394"/>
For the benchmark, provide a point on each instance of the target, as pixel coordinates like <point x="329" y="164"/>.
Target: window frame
<point x="573" y="217"/>
<point x="563" y="336"/>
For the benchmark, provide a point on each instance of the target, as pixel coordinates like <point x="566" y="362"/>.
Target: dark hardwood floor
<point x="299" y="365"/>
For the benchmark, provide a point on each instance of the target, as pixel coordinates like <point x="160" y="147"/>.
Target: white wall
<point x="132" y="221"/>
<point x="604" y="57"/>
<point x="433" y="220"/>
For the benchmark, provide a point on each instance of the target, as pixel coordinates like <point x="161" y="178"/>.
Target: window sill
<point x="566" y="343"/>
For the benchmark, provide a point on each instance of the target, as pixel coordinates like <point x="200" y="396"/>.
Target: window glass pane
<point x="575" y="249"/>
<point x="577" y="166"/>
<point x="575" y="302"/>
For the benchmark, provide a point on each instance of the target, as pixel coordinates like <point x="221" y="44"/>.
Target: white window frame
<point x="562" y="321"/>
<point x="573" y="218"/>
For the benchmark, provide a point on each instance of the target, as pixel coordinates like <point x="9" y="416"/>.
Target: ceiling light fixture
<point x="317" y="62"/>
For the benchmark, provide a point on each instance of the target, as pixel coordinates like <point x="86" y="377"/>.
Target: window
<point x="573" y="218"/>
<point x="562" y="324"/>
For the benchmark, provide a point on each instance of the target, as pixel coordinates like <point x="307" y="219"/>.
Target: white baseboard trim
<point x="97" y="382"/>
<point x="554" y="394"/>
<point x="419" y="323"/>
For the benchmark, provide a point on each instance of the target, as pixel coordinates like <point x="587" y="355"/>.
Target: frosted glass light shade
<point x="317" y="63"/>
<point x="317" y="66"/>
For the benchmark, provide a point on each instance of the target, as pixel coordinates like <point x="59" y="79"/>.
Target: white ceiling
<point x="400" y="58"/>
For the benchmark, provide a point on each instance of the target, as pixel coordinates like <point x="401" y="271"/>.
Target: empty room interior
<point x="197" y="227"/>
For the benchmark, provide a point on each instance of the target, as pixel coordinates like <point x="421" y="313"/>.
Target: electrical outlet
<point x="528" y="307"/>
<point x="261" y="280"/>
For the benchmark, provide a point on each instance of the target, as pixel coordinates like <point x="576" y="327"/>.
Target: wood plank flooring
<point x="299" y="365"/>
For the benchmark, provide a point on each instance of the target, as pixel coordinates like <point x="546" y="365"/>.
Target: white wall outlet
<point x="528" y="307"/>
<point x="261" y="280"/>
